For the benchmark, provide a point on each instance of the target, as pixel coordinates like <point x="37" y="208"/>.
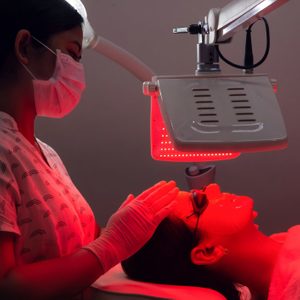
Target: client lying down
<point x="210" y="240"/>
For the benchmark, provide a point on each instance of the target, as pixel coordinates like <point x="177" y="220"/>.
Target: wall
<point x="105" y="142"/>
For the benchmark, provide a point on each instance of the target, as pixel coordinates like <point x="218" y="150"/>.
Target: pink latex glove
<point x="133" y="224"/>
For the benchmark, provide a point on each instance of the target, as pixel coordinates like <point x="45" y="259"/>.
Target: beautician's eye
<point x="75" y="56"/>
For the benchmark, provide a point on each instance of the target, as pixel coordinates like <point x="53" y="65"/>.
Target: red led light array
<point x="162" y="146"/>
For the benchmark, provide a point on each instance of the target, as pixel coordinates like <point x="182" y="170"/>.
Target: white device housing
<point x="216" y="112"/>
<point x="223" y="23"/>
<point x="210" y="111"/>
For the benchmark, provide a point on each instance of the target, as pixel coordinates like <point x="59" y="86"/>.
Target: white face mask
<point x="59" y="95"/>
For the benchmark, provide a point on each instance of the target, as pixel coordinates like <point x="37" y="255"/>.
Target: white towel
<point x="285" y="283"/>
<point x="116" y="281"/>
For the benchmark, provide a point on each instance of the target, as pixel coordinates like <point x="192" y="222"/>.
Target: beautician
<point x="49" y="245"/>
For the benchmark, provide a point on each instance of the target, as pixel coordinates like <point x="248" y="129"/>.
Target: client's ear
<point x="207" y="254"/>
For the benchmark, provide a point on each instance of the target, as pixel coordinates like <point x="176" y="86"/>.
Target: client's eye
<point x="200" y="201"/>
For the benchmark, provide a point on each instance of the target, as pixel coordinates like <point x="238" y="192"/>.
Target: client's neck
<point x="251" y="262"/>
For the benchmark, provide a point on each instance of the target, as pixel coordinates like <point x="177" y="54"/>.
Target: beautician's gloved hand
<point x="133" y="224"/>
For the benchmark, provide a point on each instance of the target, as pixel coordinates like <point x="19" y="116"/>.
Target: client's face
<point x="226" y="214"/>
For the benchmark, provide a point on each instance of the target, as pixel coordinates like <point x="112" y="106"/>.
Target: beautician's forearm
<point x="50" y="279"/>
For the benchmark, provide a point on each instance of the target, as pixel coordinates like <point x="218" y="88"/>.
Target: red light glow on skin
<point x="163" y="149"/>
<point x="225" y="215"/>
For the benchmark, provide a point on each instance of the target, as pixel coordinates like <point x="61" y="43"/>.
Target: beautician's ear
<point x="22" y="43"/>
<point x="207" y="254"/>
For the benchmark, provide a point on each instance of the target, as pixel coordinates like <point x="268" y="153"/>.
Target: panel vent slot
<point x="239" y="101"/>
<point x="209" y="121"/>
<point x="241" y="105"/>
<point x="204" y="101"/>
<point x="236" y="89"/>
<point x="201" y="90"/>
<point x="205" y="106"/>
<point x="238" y="95"/>
<point x="202" y="96"/>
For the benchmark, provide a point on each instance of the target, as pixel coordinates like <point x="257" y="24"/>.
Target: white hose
<point x="122" y="57"/>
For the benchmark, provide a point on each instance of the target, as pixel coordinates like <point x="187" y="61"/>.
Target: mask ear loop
<point x="41" y="43"/>
<point x="30" y="73"/>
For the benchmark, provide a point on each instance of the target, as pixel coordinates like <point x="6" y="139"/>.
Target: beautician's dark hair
<point x="43" y="18"/>
<point x="166" y="259"/>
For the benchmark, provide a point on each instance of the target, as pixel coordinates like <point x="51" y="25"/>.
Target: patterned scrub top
<point x="38" y="201"/>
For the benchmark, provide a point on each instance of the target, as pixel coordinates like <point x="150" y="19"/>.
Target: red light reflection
<point x="163" y="149"/>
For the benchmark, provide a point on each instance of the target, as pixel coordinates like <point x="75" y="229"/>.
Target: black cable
<point x="249" y="59"/>
<point x="245" y="67"/>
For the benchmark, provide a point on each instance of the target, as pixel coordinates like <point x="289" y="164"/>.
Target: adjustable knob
<point x="149" y="88"/>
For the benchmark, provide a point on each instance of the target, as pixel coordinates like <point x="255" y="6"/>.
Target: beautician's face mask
<point x="59" y="95"/>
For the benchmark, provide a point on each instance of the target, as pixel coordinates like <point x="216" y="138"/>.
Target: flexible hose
<point x="122" y="57"/>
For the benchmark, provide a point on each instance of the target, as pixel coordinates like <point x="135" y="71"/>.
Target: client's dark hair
<point x="166" y="259"/>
